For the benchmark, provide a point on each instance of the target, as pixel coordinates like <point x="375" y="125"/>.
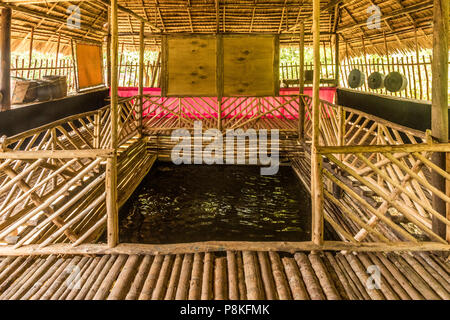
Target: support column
<point x="5" y="58"/>
<point x="316" y="159"/>
<point x="301" y="82"/>
<point x="111" y="165"/>
<point x="336" y="59"/>
<point x="141" y="78"/>
<point x="439" y="108"/>
<point x="108" y="50"/>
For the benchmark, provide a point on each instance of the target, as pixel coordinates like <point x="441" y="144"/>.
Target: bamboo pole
<point x="5" y="59"/>
<point x="108" y="50"/>
<point x="141" y="79"/>
<point x="316" y="160"/>
<point x="111" y="165"/>
<point x="30" y="52"/>
<point x="439" y="106"/>
<point x="336" y="59"/>
<point x="301" y="82"/>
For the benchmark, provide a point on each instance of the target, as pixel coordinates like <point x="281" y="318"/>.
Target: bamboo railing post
<point x="97" y="129"/>
<point x="5" y="59"/>
<point x="141" y="78"/>
<point x="316" y="159"/>
<point x="111" y="165"/>
<point x="219" y="113"/>
<point x="301" y="83"/>
<point x="439" y="109"/>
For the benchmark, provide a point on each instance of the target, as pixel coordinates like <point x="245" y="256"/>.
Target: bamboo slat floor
<point x="226" y="275"/>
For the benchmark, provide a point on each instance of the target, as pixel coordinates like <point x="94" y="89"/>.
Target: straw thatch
<point x="404" y="25"/>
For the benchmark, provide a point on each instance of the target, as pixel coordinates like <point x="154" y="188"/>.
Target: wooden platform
<point x="225" y="275"/>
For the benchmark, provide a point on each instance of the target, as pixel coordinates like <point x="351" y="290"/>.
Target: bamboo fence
<point x="39" y="68"/>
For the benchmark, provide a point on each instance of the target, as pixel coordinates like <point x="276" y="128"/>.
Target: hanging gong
<point x="395" y="82"/>
<point x="376" y="80"/>
<point x="356" y="78"/>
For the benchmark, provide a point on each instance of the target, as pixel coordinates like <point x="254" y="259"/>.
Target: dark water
<point x="192" y="203"/>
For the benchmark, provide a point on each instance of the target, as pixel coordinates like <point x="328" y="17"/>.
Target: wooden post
<point x="5" y="58"/>
<point x="141" y="78"/>
<point x="439" y="106"/>
<point x="108" y="50"/>
<point x="111" y="165"/>
<point x="58" y="44"/>
<point x="316" y="160"/>
<point x="75" y="72"/>
<point x="30" y="51"/>
<point x="301" y="82"/>
<point x="336" y="59"/>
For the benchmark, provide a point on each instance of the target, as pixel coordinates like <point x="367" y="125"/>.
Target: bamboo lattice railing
<point x="375" y="174"/>
<point x="280" y="112"/>
<point x="52" y="178"/>
<point x="378" y="175"/>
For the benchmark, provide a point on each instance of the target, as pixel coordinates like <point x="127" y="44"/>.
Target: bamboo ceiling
<point x="402" y="21"/>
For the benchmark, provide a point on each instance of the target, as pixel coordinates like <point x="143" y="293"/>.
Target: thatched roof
<point x="402" y="21"/>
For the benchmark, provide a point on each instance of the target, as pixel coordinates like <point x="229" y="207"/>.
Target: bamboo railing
<point x="161" y="113"/>
<point x="378" y="175"/>
<point x="374" y="175"/>
<point x="52" y="178"/>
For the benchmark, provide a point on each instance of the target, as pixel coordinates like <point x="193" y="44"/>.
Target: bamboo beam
<point x="439" y="106"/>
<point x="327" y="6"/>
<point x="214" y="246"/>
<point x="435" y="147"/>
<point x="316" y="159"/>
<point x="111" y="165"/>
<point x="48" y="17"/>
<point x="56" y="154"/>
<point x="5" y="59"/>
<point x="129" y="12"/>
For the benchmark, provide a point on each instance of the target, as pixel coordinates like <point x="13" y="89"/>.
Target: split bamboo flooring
<point x="242" y="275"/>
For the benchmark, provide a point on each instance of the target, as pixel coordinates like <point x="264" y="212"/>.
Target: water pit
<point x="190" y="203"/>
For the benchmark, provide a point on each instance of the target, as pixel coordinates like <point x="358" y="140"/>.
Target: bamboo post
<point x="141" y="78"/>
<point x="439" y="105"/>
<point x="336" y="59"/>
<point x="111" y="165"/>
<point x="30" y="52"/>
<point x="75" y="73"/>
<point x="301" y="82"/>
<point x="316" y="160"/>
<point x="58" y="45"/>
<point x="5" y="58"/>
<point x="108" y="51"/>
